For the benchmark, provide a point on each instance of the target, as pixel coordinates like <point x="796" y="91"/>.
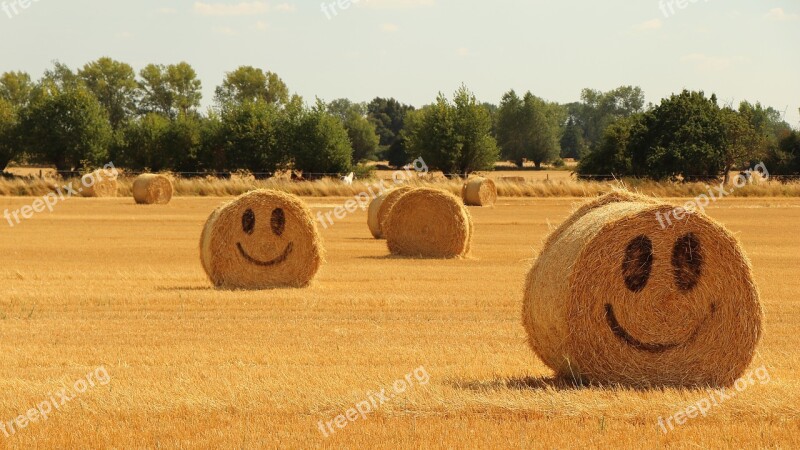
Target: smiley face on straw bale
<point x="264" y="239"/>
<point x="616" y="298"/>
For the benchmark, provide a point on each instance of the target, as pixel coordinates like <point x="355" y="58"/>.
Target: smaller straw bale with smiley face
<point x="263" y="239"/>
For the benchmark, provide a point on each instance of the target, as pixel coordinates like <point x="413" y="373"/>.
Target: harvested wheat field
<point x="103" y="284"/>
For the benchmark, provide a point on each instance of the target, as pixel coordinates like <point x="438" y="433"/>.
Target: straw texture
<point x="479" y="192"/>
<point x="615" y="298"/>
<point x="263" y="239"/>
<point x="152" y="189"/>
<point x="429" y="223"/>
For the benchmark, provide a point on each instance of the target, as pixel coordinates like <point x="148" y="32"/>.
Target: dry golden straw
<point x="263" y="239"/>
<point x="380" y="206"/>
<point x="373" y="221"/>
<point x="479" y="192"/>
<point x="429" y="223"/>
<point x="103" y="184"/>
<point x="152" y="189"/>
<point x="614" y="298"/>
<point x="392" y="197"/>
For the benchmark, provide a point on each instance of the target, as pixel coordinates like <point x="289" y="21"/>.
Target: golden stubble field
<point x="106" y="283"/>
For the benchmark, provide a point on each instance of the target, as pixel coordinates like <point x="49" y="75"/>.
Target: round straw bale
<point x="429" y="223"/>
<point x="100" y="183"/>
<point x="373" y="220"/>
<point x="392" y="197"/>
<point x="479" y="192"/>
<point x="263" y="239"/>
<point x="624" y="292"/>
<point x="152" y="189"/>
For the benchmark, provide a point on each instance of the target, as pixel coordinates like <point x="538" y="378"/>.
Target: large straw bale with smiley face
<point x="616" y="298"/>
<point x="429" y="223"/>
<point x="263" y="239"/>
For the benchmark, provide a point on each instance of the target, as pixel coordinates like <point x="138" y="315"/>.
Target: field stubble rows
<point x="104" y="282"/>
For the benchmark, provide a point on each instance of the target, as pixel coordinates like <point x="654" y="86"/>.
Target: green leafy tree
<point x="597" y="110"/>
<point x="9" y="141"/>
<point x="741" y="144"/>
<point x="454" y="137"/>
<point x="388" y="115"/>
<point x="183" y="142"/>
<point x="529" y="128"/>
<point x="66" y="129"/>
<point x="770" y="129"/>
<point x="16" y="88"/>
<point x="114" y="84"/>
<point x="249" y="84"/>
<point x="790" y="145"/>
<point x="362" y="133"/>
<point x="681" y="137"/>
<point x="144" y="143"/>
<point x="612" y="155"/>
<point x="511" y="132"/>
<point x="320" y="144"/>
<point x="251" y="137"/>
<point x="170" y="90"/>
<point x="572" y="143"/>
<point x="545" y="120"/>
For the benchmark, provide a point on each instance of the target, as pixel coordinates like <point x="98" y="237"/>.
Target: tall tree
<point x="388" y="115"/>
<point x="114" y="84"/>
<point x="16" y="88"/>
<point x="362" y="133"/>
<point x="170" y="90"/>
<point x="249" y="84"/>
<point x="320" y="144"/>
<point x="740" y="143"/>
<point x="67" y="129"/>
<point x="143" y="144"/>
<point x="510" y="128"/>
<point x="681" y="137"/>
<point x="9" y="134"/>
<point x="612" y="154"/>
<point x="572" y="143"/>
<point x="529" y="128"/>
<point x="453" y="137"/>
<point x="251" y="137"/>
<point x="598" y="110"/>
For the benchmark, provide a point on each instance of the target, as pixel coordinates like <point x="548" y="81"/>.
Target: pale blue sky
<point x="412" y="49"/>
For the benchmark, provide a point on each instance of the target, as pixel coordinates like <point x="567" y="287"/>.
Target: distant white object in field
<point x="348" y="180"/>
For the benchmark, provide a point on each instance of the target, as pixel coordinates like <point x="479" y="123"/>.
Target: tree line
<point x="151" y="120"/>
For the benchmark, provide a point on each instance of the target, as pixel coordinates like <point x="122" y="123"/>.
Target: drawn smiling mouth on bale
<point x="274" y="262"/>
<point x="620" y="332"/>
